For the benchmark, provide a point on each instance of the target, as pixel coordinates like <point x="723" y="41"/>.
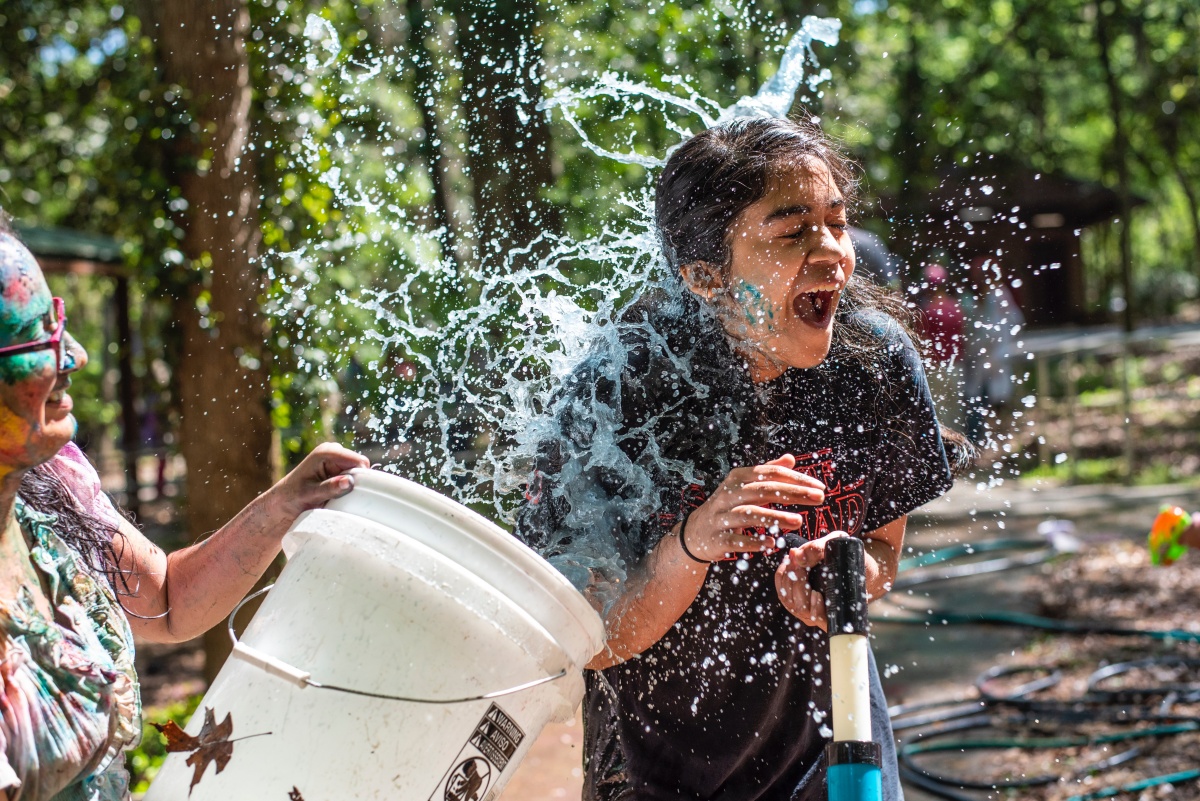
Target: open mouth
<point x="58" y="394"/>
<point x="815" y="308"/>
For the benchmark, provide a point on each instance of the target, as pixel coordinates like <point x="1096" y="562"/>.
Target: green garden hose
<point x="941" y="719"/>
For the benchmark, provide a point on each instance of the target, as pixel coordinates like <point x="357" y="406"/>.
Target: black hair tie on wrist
<point x="683" y="542"/>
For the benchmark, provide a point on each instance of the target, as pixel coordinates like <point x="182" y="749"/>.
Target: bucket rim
<point x="392" y="487"/>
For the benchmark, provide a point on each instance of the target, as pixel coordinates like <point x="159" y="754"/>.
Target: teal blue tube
<point x="854" y="782"/>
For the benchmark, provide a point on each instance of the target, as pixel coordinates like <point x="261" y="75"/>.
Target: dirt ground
<point x="1111" y="584"/>
<point x="1164" y="424"/>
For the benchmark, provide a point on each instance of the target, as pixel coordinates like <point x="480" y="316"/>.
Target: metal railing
<point x="1062" y="350"/>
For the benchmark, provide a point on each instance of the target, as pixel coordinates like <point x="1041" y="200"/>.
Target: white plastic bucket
<point x="393" y="592"/>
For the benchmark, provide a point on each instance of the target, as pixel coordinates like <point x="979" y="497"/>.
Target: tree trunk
<point x="426" y="95"/>
<point x="226" y="432"/>
<point x="1120" y="147"/>
<point x="909" y="235"/>
<point x="1120" y="154"/>
<point x="508" y="139"/>
<point x="1189" y="191"/>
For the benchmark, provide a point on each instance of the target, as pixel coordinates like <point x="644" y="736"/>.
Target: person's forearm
<point x="664" y="591"/>
<point x="882" y="561"/>
<point x="179" y="596"/>
<point x="884" y="546"/>
<point x="205" y="581"/>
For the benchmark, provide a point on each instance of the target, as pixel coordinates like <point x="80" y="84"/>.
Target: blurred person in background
<point x="991" y="347"/>
<point x="875" y="261"/>
<point x="942" y="325"/>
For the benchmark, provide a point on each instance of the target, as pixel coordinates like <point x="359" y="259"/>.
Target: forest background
<point x="201" y="134"/>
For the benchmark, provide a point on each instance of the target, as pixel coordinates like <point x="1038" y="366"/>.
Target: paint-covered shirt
<point x="730" y="703"/>
<point x="69" y="701"/>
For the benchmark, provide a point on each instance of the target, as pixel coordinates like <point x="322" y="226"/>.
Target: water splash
<point x="472" y="366"/>
<point x="324" y="44"/>
<point x="777" y="95"/>
<point x="774" y="99"/>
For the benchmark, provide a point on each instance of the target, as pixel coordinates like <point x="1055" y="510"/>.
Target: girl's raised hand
<point x="799" y="595"/>
<point x="718" y="527"/>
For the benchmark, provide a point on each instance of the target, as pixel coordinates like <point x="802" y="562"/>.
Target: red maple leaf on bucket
<point x="213" y="744"/>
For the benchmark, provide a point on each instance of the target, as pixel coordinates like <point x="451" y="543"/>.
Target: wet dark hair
<point x="712" y="178"/>
<point x="717" y="174"/>
<point x="99" y="543"/>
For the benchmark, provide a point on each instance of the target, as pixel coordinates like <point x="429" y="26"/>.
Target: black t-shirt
<point x="729" y="703"/>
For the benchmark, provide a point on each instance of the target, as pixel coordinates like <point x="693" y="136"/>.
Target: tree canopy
<point x="428" y="110"/>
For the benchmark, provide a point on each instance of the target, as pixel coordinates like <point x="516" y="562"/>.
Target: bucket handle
<point x="302" y="678"/>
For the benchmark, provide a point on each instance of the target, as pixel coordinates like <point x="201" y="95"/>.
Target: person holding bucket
<point x="764" y="389"/>
<point x="77" y="579"/>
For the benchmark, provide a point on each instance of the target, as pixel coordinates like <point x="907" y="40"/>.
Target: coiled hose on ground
<point x="952" y="725"/>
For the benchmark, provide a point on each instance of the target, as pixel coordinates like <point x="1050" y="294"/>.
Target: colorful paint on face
<point x="24" y="310"/>
<point x="35" y="411"/>
<point x="760" y="314"/>
<point x="18" y="368"/>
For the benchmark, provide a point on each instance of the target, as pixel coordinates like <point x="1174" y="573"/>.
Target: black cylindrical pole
<point x="853" y="758"/>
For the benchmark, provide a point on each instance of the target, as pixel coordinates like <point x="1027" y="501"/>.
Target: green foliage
<point x="1110" y="471"/>
<point x="85" y="124"/>
<point x="84" y="121"/>
<point x="926" y="84"/>
<point x="144" y="761"/>
<point x="95" y="406"/>
<point x="319" y="248"/>
<point x="722" y="51"/>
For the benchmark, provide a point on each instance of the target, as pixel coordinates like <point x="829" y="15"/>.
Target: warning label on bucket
<point x="482" y="759"/>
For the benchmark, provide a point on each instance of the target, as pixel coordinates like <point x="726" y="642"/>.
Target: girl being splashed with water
<point x="770" y="391"/>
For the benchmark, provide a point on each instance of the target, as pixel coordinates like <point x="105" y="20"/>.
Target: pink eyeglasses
<point x="54" y="341"/>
